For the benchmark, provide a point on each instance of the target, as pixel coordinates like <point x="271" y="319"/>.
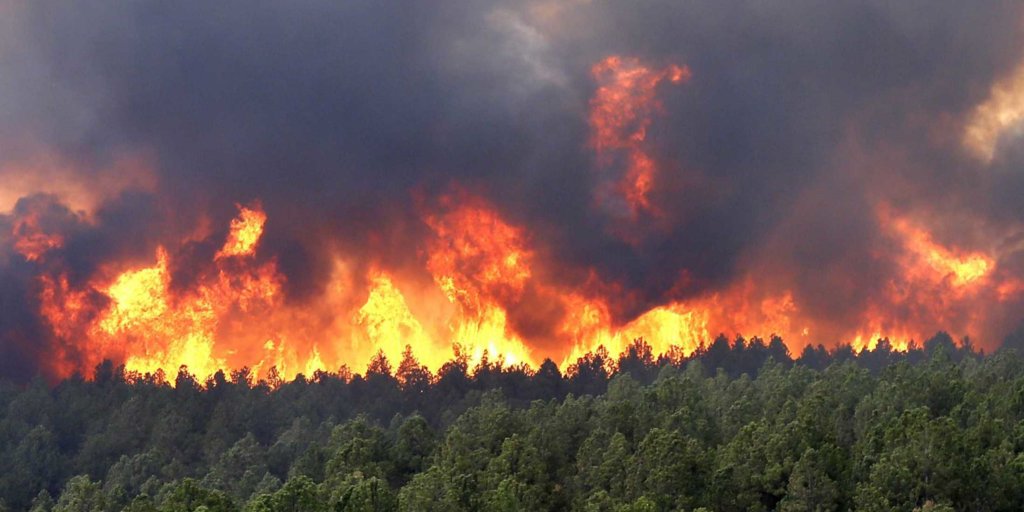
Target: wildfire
<point x="482" y="267"/>
<point x="475" y="255"/>
<point x="245" y="233"/>
<point x="936" y="285"/>
<point x="31" y="240"/>
<point x="621" y="111"/>
<point x="165" y="332"/>
<point x="477" y="261"/>
<point x="390" y="325"/>
<point x="961" y="269"/>
<point x="479" y="285"/>
<point x="480" y="262"/>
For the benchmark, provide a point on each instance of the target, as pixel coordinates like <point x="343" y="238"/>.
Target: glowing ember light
<point x="245" y="233"/>
<point x="162" y="336"/>
<point x="621" y="111"/>
<point x="479" y="261"/>
<point x="154" y="328"/>
<point x="1009" y="289"/>
<point x="31" y="241"/>
<point x="232" y="313"/>
<point x="138" y="296"/>
<point x="679" y="327"/>
<point x="390" y="325"/>
<point x="962" y="269"/>
<point x="934" y="285"/>
<point x="65" y="308"/>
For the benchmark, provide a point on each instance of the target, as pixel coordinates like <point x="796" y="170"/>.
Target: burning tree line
<point x="736" y="357"/>
<point x="738" y="425"/>
<point x="455" y="263"/>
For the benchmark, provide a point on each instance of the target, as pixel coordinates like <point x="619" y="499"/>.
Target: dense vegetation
<point x="737" y="426"/>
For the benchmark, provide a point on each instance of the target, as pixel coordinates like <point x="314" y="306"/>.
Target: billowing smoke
<point x="531" y="179"/>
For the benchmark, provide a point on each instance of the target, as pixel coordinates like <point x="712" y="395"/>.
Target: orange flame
<point x="479" y="261"/>
<point x="621" y="111"/>
<point x="246" y="231"/>
<point x="31" y="240"/>
<point x="961" y="269"/>
<point x="481" y="266"/>
<point x="476" y="260"/>
<point x="390" y="325"/>
<point x="478" y="273"/>
<point x="148" y="326"/>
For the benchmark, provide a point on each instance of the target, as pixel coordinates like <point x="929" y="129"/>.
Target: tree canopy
<point x="739" y="425"/>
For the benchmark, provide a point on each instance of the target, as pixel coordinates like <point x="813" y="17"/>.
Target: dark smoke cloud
<point x="336" y="114"/>
<point x="22" y="337"/>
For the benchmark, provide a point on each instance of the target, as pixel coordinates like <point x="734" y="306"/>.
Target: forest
<point x="737" y="425"/>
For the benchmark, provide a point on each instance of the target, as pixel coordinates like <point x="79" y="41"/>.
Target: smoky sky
<point x="338" y="115"/>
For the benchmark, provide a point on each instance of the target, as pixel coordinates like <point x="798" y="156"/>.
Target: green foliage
<point x="141" y="503"/>
<point x="43" y="502"/>
<point x="299" y="494"/>
<point x="366" y="495"/>
<point x="188" y="495"/>
<point x="811" y="486"/>
<point x="669" y="469"/>
<point x="736" y="427"/>
<point x="413" y="447"/>
<point x="81" y="495"/>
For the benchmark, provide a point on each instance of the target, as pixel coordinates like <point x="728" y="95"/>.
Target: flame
<point x="935" y="285"/>
<point x="479" y="262"/>
<point x="31" y="240"/>
<point x="149" y="326"/>
<point x="234" y="315"/>
<point x="390" y="325"/>
<point x="245" y="233"/>
<point x="621" y="111"/>
<point x="961" y="269"/>
<point x="481" y="266"/>
<point x="167" y="332"/>
<point x="474" y="274"/>
<point x="671" y="328"/>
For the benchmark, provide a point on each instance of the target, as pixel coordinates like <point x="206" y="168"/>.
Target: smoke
<point x="801" y="122"/>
